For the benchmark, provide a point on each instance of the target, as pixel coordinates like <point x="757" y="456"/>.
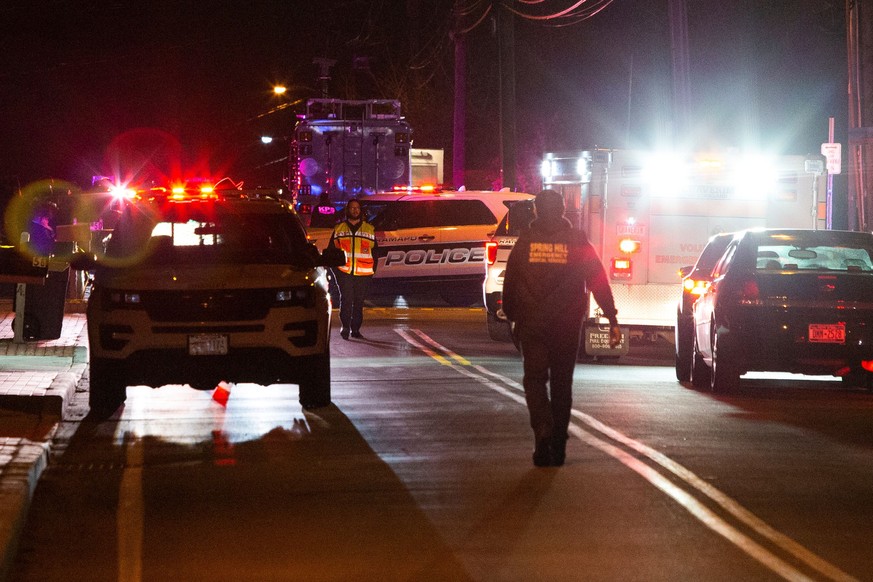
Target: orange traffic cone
<point x="221" y="393"/>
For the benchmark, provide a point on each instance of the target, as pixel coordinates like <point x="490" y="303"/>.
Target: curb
<point x="19" y="483"/>
<point x="56" y="398"/>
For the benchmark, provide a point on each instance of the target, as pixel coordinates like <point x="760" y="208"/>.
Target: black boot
<point x="542" y="455"/>
<point x="559" y="450"/>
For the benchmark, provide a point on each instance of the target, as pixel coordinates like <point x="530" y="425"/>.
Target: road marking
<point x="130" y="522"/>
<point x="681" y="496"/>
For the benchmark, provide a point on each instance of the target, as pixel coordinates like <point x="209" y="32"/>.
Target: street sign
<point x="833" y="154"/>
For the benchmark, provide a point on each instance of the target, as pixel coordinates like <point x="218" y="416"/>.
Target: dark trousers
<point x="353" y="292"/>
<point x="549" y="361"/>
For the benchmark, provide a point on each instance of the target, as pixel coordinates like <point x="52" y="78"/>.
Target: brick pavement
<point x="37" y="381"/>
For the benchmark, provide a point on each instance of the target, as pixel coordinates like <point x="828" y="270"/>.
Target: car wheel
<point x="725" y="375"/>
<point x="700" y="373"/>
<point x="107" y="387"/>
<point x="461" y="298"/>
<point x="498" y="329"/>
<point x="315" y="385"/>
<point x="684" y="350"/>
<point x="858" y="379"/>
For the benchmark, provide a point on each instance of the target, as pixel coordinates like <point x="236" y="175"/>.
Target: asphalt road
<point x="421" y="470"/>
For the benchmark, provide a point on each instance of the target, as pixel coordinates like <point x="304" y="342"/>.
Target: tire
<point x="858" y="379"/>
<point x="498" y="329"/>
<point x="684" y="350"/>
<point x="315" y="386"/>
<point x="107" y="387"/>
<point x="700" y="372"/>
<point x="725" y="376"/>
<point x="461" y="298"/>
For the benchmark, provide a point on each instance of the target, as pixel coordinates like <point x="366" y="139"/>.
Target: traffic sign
<point x="833" y="154"/>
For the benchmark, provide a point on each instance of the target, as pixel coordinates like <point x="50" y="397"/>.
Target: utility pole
<point x="324" y="66"/>
<point x="859" y="37"/>
<point x="459" y="122"/>
<point x="681" y="69"/>
<point x="506" y="66"/>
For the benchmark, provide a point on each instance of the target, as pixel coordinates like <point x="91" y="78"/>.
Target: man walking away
<point x="545" y="293"/>
<point x="357" y="238"/>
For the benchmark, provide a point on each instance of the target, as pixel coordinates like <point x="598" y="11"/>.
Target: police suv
<point x="198" y="286"/>
<point x="497" y="251"/>
<point x="433" y="241"/>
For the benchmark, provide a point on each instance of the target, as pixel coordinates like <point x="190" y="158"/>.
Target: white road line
<point x="682" y="497"/>
<point x="130" y="522"/>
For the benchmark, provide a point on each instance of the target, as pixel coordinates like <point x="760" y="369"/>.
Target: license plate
<point x="207" y="345"/>
<point x="827" y="333"/>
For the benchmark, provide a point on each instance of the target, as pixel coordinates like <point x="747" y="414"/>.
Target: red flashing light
<point x="490" y="252"/>
<point x="621" y="268"/>
<point x="423" y="189"/>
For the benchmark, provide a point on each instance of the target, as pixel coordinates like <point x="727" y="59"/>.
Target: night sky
<point x="101" y="86"/>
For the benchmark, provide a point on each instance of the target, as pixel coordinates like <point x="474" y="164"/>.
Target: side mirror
<point x="333" y="257"/>
<point x="683" y="271"/>
<point x="83" y="261"/>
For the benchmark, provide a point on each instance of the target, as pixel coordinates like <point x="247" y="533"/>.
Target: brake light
<point x="695" y="286"/>
<point x="490" y="252"/>
<point x="749" y="292"/>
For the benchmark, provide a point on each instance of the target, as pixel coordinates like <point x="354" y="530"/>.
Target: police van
<point x="432" y="241"/>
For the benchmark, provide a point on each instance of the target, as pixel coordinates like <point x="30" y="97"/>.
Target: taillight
<point x="490" y="252"/>
<point x="695" y="286"/>
<point x="749" y="292"/>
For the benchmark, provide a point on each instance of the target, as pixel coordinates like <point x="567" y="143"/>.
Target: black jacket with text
<point x="548" y="275"/>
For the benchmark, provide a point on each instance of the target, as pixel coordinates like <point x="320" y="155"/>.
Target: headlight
<point x="123" y="300"/>
<point x="304" y="296"/>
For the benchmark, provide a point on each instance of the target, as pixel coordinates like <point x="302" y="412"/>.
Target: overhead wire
<point x="533" y="10"/>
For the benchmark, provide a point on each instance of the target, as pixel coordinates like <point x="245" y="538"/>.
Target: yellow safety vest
<point x="358" y="247"/>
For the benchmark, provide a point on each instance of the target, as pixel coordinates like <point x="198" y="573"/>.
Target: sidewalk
<point x="37" y="381"/>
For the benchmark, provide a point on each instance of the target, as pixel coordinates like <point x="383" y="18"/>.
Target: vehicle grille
<point x="208" y="305"/>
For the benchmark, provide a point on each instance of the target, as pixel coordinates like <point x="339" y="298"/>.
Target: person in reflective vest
<point x="357" y="238"/>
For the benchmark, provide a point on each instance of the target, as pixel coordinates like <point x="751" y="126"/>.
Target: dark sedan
<point x="787" y="300"/>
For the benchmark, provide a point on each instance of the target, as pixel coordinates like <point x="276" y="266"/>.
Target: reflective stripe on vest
<point x="358" y="247"/>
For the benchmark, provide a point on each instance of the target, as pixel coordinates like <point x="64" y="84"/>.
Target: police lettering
<point x="434" y="256"/>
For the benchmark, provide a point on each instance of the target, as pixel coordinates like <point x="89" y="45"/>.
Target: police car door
<point x="409" y="243"/>
<point x="464" y="227"/>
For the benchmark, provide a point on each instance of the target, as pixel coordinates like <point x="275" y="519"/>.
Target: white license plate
<point x="827" y="333"/>
<point x="207" y="345"/>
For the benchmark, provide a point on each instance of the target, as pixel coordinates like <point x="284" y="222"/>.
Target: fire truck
<point x="649" y="214"/>
<point x="347" y="149"/>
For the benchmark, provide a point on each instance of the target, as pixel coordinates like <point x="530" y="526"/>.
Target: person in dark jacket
<point x="545" y="294"/>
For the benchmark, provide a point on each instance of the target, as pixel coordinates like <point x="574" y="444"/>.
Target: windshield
<point x="209" y="235"/>
<point x="818" y="257"/>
